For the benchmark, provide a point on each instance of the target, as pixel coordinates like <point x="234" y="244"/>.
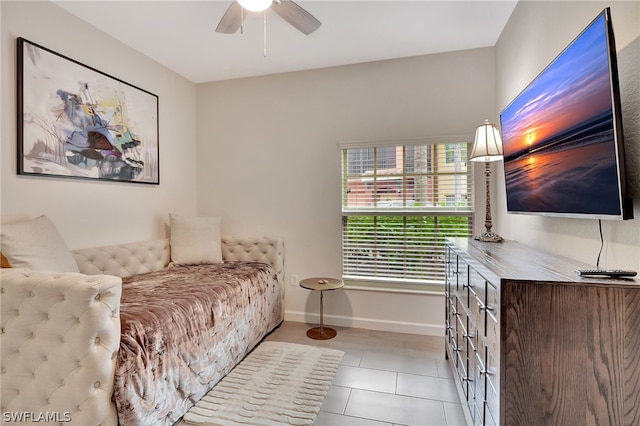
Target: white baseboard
<point x="367" y="323"/>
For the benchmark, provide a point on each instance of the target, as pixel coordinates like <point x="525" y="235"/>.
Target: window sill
<point x="421" y="289"/>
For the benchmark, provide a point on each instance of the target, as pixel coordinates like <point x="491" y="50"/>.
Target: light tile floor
<point x="384" y="379"/>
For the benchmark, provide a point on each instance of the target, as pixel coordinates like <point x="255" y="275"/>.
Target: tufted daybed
<point x="63" y="354"/>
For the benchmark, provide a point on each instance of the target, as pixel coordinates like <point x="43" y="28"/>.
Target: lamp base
<point x="488" y="237"/>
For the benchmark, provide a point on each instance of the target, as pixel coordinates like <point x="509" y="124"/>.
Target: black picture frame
<point x="78" y="122"/>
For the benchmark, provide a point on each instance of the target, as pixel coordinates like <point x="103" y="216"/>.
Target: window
<point x="361" y="159"/>
<point x="450" y="153"/>
<point x="399" y="203"/>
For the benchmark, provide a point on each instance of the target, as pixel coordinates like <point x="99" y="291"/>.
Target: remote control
<point x="605" y="272"/>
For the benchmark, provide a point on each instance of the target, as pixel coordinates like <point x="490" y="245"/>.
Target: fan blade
<point x="231" y="20"/>
<point x="296" y="16"/>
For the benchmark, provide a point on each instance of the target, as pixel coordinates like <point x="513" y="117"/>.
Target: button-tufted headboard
<point x="124" y="260"/>
<point x="137" y="258"/>
<point x="266" y="250"/>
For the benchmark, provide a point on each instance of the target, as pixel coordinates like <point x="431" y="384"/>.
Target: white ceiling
<point x="181" y="34"/>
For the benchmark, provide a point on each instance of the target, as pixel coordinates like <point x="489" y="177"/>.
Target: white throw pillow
<point x="195" y="240"/>
<point x="36" y="244"/>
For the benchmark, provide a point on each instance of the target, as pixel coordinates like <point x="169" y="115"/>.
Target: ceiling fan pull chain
<point x="242" y="20"/>
<point x="264" y="33"/>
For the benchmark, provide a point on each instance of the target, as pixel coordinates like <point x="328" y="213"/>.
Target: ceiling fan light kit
<point x="295" y="15"/>
<point x="255" y="5"/>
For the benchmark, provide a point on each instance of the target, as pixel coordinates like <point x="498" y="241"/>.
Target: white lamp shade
<point x="255" y="5"/>
<point x="488" y="144"/>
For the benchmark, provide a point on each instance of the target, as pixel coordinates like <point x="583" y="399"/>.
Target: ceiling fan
<point x="286" y="9"/>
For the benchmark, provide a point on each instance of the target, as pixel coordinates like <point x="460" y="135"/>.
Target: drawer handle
<point x="468" y="336"/>
<point x="486" y="308"/>
<point x="484" y="371"/>
<point x="467" y="379"/>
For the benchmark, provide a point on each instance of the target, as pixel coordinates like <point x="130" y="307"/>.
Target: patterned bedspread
<point x="183" y="329"/>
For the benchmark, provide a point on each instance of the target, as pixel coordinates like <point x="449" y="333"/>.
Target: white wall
<point x="269" y="163"/>
<point x="262" y="152"/>
<point x="90" y="213"/>
<point x="536" y="33"/>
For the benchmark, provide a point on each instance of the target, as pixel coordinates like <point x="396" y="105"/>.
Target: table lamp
<point x="487" y="147"/>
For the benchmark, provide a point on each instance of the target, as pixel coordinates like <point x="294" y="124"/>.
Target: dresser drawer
<point x="479" y="373"/>
<point x="472" y="336"/>
<point x="478" y="286"/>
<point x="461" y="373"/>
<point x="493" y="333"/>
<point x="493" y="386"/>
<point x="451" y="267"/>
<point x="493" y="298"/>
<point x="475" y="403"/>
<point x="461" y="317"/>
<point x="478" y="413"/>
<point x="447" y="308"/>
<point x="451" y="346"/>
<point x="463" y="278"/>
<point x="480" y="316"/>
<point x="477" y="300"/>
<point x="452" y="314"/>
<point x="489" y="420"/>
<point x="493" y="302"/>
<point x="451" y="336"/>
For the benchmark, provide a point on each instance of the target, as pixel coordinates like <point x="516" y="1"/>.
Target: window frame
<point x="388" y="283"/>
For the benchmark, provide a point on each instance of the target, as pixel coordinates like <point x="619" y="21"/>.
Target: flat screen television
<point x="562" y="135"/>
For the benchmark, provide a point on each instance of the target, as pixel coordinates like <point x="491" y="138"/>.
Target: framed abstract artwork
<point x="75" y="121"/>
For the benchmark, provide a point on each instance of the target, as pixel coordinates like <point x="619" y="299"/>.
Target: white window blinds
<point x="399" y="203"/>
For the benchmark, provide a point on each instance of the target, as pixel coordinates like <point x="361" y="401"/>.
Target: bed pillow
<point x="4" y="263"/>
<point x="195" y="240"/>
<point x="36" y="244"/>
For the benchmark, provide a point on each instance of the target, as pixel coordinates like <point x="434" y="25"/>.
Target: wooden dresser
<point x="531" y="343"/>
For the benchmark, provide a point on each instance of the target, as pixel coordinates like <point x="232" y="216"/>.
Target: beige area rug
<point x="277" y="384"/>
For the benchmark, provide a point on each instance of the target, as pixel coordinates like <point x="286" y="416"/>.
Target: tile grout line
<point x="396" y="388"/>
<point x="344" y="410"/>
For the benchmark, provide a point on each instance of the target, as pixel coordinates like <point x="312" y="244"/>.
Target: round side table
<point x="321" y="284"/>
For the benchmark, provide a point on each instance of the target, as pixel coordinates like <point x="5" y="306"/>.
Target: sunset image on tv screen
<point x="558" y="134"/>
